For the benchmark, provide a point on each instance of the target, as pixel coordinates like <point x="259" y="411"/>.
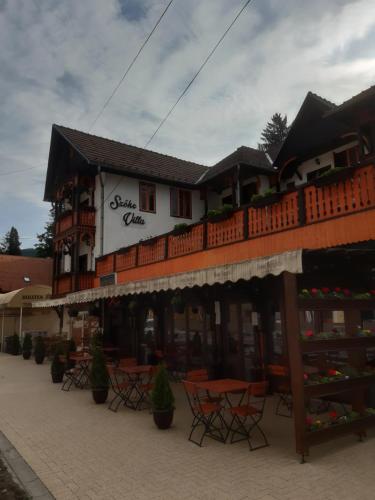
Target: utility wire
<point x="183" y="93"/>
<point x="129" y="67"/>
<point x="17" y="171"/>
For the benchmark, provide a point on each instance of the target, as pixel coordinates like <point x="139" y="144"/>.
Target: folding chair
<point x="247" y="417"/>
<point x="71" y="375"/>
<point x="120" y="387"/>
<point x="283" y="390"/>
<point x="204" y="413"/>
<point x="144" y="389"/>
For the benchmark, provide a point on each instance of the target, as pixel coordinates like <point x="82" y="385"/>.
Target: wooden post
<point x="292" y="329"/>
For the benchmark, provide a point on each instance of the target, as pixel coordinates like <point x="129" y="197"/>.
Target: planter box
<point x="326" y="180"/>
<point x="330" y="388"/>
<point x="181" y="231"/>
<point x="338" y="344"/>
<point x="220" y="217"/>
<point x="267" y="200"/>
<point x="355" y="426"/>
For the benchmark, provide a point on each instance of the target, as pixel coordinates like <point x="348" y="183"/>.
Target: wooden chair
<point x="282" y="389"/>
<point x="120" y="387"/>
<point x="247" y="417"/>
<point x="145" y="388"/>
<point x="204" y="414"/>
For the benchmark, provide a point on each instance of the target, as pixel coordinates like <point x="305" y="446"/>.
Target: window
<point x="347" y="158"/>
<point x="180" y="203"/>
<point x="147" y="201"/>
<point x="316" y="173"/>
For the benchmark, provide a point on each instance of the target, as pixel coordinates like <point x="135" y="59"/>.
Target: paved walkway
<point x="83" y="451"/>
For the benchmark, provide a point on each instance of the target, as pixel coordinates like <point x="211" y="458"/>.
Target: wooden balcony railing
<point x="63" y="284"/>
<point x="69" y="219"/>
<point x="304" y="206"/>
<point x="70" y="282"/>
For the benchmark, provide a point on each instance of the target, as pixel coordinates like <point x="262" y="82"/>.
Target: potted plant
<point x="27" y="346"/>
<point x="220" y="214"/>
<point x="162" y="399"/>
<point x="15" y="345"/>
<point x="39" y="350"/>
<point x="178" y="303"/>
<point x="269" y="197"/>
<point x="57" y="366"/>
<point x="99" y="377"/>
<point x="334" y="174"/>
<point x="181" y="228"/>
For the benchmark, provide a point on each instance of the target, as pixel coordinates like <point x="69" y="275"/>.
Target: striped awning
<point x="245" y="270"/>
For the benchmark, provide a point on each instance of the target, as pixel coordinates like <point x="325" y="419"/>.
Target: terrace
<point x="324" y="213"/>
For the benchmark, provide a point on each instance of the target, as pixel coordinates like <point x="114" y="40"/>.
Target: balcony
<point x="71" y="282"/>
<point x="85" y="217"/>
<point x="310" y="217"/>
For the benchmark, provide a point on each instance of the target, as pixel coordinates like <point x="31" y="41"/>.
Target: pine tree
<point x="11" y="243"/>
<point x="45" y="246"/>
<point x="274" y="132"/>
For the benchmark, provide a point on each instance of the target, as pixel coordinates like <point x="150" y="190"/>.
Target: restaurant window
<point x="147" y="197"/>
<point x="180" y="203"/>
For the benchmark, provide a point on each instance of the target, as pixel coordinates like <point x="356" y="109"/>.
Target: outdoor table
<point x="82" y="363"/>
<point x="224" y="387"/>
<point x="134" y="374"/>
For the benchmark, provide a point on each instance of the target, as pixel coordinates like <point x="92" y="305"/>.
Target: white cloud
<point x="60" y="61"/>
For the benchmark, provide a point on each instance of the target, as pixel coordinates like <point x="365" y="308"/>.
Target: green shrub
<point x="162" y="396"/>
<point x="99" y="377"/>
<point x="27" y="343"/>
<point x="15" y="345"/>
<point x="226" y="208"/>
<point x="260" y="196"/>
<point x="57" y="365"/>
<point x="213" y="213"/>
<point x="331" y="171"/>
<point x="39" y="350"/>
<point x="181" y="226"/>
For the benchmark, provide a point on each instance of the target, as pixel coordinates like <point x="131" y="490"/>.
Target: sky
<point x="61" y="59"/>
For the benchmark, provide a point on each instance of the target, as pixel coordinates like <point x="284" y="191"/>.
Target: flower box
<point x="340" y="175"/>
<point x="270" y="199"/>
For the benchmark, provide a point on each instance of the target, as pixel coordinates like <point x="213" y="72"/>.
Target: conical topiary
<point x="99" y="377"/>
<point x="57" y="366"/>
<point x="39" y="350"/>
<point x="162" y="396"/>
<point x="16" y="345"/>
<point x="27" y="346"/>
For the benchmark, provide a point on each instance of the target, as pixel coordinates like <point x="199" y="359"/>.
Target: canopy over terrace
<point x="246" y="270"/>
<point x="21" y="299"/>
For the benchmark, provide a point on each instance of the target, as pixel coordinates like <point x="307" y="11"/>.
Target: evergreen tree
<point x="11" y="243"/>
<point x="45" y="246"/>
<point x="274" y="132"/>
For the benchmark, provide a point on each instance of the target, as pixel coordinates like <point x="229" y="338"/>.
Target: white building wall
<point x="116" y="233"/>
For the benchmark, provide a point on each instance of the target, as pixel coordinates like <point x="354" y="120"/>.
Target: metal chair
<point x="205" y="414"/>
<point x="247" y="417"/>
<point x="283" y="390"/>
<point x="120" y="387"/>
<point x="201" y="375"/>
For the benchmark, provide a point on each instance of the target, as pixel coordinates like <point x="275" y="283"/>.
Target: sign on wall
<point x="129" y="216"/>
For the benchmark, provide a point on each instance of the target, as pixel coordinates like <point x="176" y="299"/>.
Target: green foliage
<point x="226" y="209"/>
<point x="15" y="345"/>
<point x="27" y="343"/>
<point x="181" y="226"/>
<point x="44" y="247"/>
<point x="99" y="374"/>
<point x="213" y="213"/>
<point x="39" y="349"/>
<point x="11" y="243"/>
<point x="57" y="365"/>
<point x="331" y="171"/>
<point x="162" y="396"/>
<point x="274" y="132"/>
<point x="260" y="196"/>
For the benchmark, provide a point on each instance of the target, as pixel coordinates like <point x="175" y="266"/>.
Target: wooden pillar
<point x="292" y="330"/>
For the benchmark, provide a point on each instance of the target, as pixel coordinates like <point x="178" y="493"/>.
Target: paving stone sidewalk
<point x="83" y="451"/>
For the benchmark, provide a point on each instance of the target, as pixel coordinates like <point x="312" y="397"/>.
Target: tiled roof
<point x="242" y="156"/>
<point x="105" y="152"/>
<point x="326" y="102"/>
<point x="365" y="94"/>
<point x="13" y="269"/>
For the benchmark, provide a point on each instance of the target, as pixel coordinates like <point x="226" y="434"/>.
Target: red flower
<point x="309" y="333"/>
<point x="346" y="292"/>
<point x="325" y="290"/>
<point x="372" y="292"/>
<point x="333" y="415"/>
<point x="331" y="372"/>
<point x="305" y="376"/>
<point x="309" y="421"/>
<point x="314" y="291"/>
<point x="337" y="289"/>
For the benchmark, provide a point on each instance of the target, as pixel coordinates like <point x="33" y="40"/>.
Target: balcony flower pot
<point x="180" y="229"/>
<point x="39" y="350"/>
<point x="221" y="214"/>
<point x="263" y="201"/>
<point x="27" y="346"/>
<point x="162" y="400"/>
<point x="99" y="377"/>
<point x="333" y="176"/>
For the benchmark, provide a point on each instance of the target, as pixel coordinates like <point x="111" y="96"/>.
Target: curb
<point x="23" y="472"/>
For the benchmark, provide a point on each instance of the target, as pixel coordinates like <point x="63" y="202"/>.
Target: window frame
<point x="149" y="185"/>
<point x="178" y="190"/>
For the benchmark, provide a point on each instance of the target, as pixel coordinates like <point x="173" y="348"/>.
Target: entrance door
<point x="242" y="342"/>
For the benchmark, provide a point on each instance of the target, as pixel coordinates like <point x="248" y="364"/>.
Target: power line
<point x="183" y="92"/>
<point x="18" y="171"/>
<point x="129" y="67"/>
<point x="196" y="74"/>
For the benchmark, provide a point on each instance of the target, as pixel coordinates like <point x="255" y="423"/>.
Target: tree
<point x="11" y="243"/>
<point x="45" y="246"/>
<point x="274" y="132"/>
